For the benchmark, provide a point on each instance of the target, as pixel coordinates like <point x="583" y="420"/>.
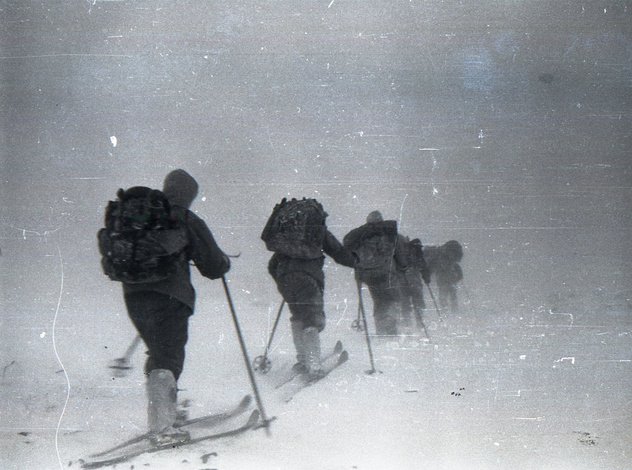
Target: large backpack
<point x="374" y="244"/>
<point x="142" y="240"/>
<point x="296" y="228"/>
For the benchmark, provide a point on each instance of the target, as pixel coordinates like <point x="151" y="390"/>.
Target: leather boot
<point x="299" y="343"/>
<point x="311" y="340"/>
<point x="162" y="406"/>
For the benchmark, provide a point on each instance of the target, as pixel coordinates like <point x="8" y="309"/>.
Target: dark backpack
<point x="296" y="228"/>
<point x="142" y="240"/>
<point x="374" y="244"/>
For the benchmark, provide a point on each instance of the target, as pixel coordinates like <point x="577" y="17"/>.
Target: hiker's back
<point x="296" y="228"/>
<point x="143" y="240"/>
<point x="373" y="244"/>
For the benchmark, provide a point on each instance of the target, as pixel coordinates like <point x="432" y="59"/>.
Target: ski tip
<point x="245" y="401"/>
<point x="338" y="348"/>
<point x="344" y="357"/>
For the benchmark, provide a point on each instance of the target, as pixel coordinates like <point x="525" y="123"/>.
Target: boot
<point x="297" y="335"/>
<point x="162" y="407"/>
<point x="311" y="340"/>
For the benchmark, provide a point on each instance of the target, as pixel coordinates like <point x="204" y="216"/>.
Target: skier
<point x="443" y="264"/>
<point x="160" y="310"/>
<point x="297" y="233"/>
<point x="411" y="282"/>
<point x="380" y="253"/>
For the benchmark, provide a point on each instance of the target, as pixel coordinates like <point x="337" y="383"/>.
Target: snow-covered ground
<point x="504" y="125"/>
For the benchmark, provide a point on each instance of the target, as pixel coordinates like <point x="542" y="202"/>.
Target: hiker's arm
<point x="340" y="254"/>
<point x="203" y="250"/>
<point x="400" y="254"/>
<point x="352" y="239"/>
<point x="419" y="260"/>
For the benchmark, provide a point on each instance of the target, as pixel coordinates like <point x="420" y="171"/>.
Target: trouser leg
<point x="162" y="323"/>
<point x="453" y="299"/>
<point x="304" y="296"/>
<point x="384" y="312"/>
<point x="419" y="305"/>
<point x="386" y="301"/>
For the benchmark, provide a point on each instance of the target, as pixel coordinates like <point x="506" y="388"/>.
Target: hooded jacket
<point x="378" y="228"/>
<point x="181" y="189"/>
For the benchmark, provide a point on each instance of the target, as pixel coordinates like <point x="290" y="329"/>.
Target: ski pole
<point x="467" y="292"/>
<point x="419" y="315"/>
<point x="434" y="301"/>
<point x="251" y="375"/>
<point x="262" y="363"/>
<point x="122" y="364"/>
<point x="366" y="329"/>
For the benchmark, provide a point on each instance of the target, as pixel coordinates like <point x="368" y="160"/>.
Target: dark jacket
<point x="416" y="260"/>
<point x="181" y="189"/>
<point x="280" y="265"/>
<point x="443" y="263"/>
<point x="387" y="230"/>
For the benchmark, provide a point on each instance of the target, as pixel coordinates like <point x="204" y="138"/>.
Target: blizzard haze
<point x="502" y="124"/>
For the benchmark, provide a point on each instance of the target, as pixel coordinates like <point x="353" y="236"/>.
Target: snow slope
<point x="504" y="125"/>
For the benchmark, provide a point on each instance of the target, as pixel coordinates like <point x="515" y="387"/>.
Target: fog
<point x="502" y="124"/>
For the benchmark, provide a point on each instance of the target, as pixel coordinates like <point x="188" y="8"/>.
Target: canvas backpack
<point x="296" y="228"/>
<point x="142" y="240"/>
<point x="373" y="244"/>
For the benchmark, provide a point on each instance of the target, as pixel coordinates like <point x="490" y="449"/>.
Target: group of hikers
<point x="151" y="237"/>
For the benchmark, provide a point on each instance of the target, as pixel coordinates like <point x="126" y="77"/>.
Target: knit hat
<point x="180" y="188"/>
<point x="374" y="217"/>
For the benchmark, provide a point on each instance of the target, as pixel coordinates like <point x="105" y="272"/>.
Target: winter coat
<point x="443" y="264"/>
<point x="181" y="189"/>
<point x="416" y="261"/>
<point x="281" y="265"/>
<point x="386" y="229"/>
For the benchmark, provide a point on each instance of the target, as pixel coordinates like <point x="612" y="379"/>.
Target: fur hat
<point x="374" y="217"/>
<point x="180" y="188"/>
<point x="454" y="250"/>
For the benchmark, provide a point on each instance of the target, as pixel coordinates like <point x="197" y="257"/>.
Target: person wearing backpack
<point x="156" y="279"/>
<point x="443" y="263"/>
<point x="380" y="253"/>
<point x="411" y="281"/>
<point x="297" y="234"/>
